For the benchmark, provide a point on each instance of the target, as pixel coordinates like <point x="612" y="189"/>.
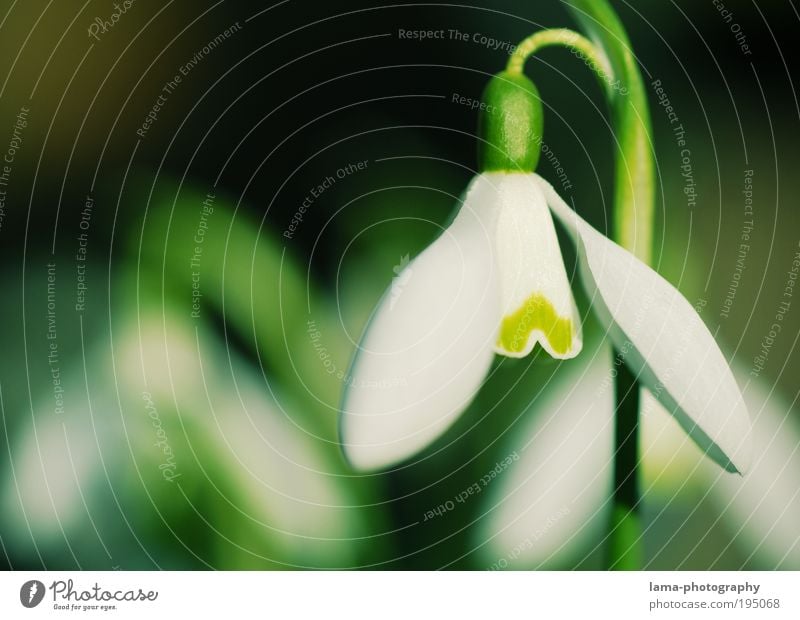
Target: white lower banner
<point x="378" y="595"/>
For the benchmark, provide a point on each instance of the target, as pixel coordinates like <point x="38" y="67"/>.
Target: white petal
<point x="663" y="339"/>
<point x="537" y="301"/>
<point x="550" y="505"/>
<point x="430" y="342"/>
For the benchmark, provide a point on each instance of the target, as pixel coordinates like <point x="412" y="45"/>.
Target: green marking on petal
<point x="536" y="313"/>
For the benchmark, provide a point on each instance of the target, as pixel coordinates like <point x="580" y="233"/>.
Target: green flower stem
<point x="607" y="52"/>
<point x="634" y="205"/>
<point x="625" y="549"/>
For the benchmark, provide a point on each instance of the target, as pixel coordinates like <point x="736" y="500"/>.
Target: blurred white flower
<point x="175" y="420"/>
<point x="552" y="508"/>
<point x="556" y="500"/>
<point x="760" y="510"/>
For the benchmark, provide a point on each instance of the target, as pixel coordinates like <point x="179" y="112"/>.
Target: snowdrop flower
<point x="495" y="283"/>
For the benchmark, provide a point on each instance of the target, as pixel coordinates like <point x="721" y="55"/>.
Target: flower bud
<point x="510" y="125"/>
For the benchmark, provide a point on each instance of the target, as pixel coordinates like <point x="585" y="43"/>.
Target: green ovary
<point x="536" y="313"/>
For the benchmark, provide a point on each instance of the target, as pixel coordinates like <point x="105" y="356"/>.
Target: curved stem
<point x="607" y="53"/>
<point x="634" y="186"/>
<point x="564" y="38"/>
